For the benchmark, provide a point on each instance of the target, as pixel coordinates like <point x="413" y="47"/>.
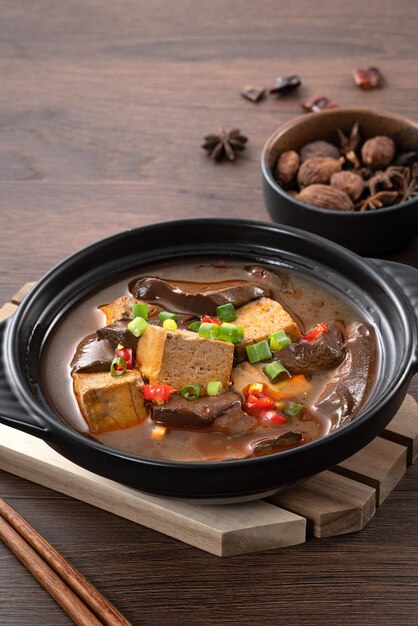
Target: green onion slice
<point x="226" y="312"/>
<point x="230" y="332"/>
<point x="214" y="388"/>
<point x="140" y="310"/>
<point x="138" y="326"/>
<point x="258" y="352"/>
<point x="279" y="340"/>
<point x="166" y="315"/>
<point x="118" y="366"/>
<point x="208" y="331"/>
<point x="194" y="326"/>
<point x="190" y="392"/>
<point x="293" y="409"/>
<point x="275" y="370"/>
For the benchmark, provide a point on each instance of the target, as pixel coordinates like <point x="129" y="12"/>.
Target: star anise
<point x="225" y="145"/>
<point x="409" y="185"/>
<point x="349" y="145"/>
<point x="377" y="201"/>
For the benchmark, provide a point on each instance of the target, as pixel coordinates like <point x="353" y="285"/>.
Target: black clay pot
<point x="369" y="233"/>
<point x="386" y="292"/>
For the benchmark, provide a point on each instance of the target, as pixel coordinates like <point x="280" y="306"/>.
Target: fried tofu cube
<point x="262" y="318"/>
<point x="122" y="309"/>
<point x="110" y="402"/>
<point x="181" y="358"/>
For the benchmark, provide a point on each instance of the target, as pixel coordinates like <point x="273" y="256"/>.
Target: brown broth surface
<point x="306" y="300"/>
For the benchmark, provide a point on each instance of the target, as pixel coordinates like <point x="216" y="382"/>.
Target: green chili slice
<point x="279" y="340"/>
<point x="293" y="409"/>
<point x="214" y="388"/>
<point x="258" y="352"/>
<point x="226" y="312"/>
<point x="118" y="366"/>
<point x="140" y="310"/>
<point x="275" y="371"/>
<point x="138" y="326"/>
<point x="190" y="392"/>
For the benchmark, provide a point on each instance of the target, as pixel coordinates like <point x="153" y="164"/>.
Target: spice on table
<point x="225" y="145"/>
<point x="318" y="103"/>
<point x="254" y="93"/>
<point x="285" y="85"/>
<point x="368" y="78"/>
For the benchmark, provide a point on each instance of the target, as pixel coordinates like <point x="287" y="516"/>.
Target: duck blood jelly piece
<point x="286" y="84"/>
<point x="368" y="78"/>
<point x="318" y="103"/>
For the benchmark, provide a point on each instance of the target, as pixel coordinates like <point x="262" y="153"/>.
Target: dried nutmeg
<point x="350" y="182"/>
<point x="378" y="152"/>
<point x="287" y="167"/>
<point x="318" y="170"/>
<point x="318" y="149"/>
<point x="326" y="197"/>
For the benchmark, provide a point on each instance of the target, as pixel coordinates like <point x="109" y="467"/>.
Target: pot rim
<point x="302" y="119"/>
<point x="63" y="432"/>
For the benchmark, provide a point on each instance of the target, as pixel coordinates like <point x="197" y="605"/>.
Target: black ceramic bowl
<point x="387" y="294"/>
<point x="368" y="233"/>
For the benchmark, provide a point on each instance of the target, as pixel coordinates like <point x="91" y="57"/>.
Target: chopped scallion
<point x="230" y="332"/>
<point x="138" y="326"/>
<point x="258" y="352"/>
<point x="279" y="340"/>
<point x="194" y="326"/>
<point x="214" y="388"/>
<point x="190" y="392"/>
<point x="275" y="370"/>
<point x="293" y="409"/>
<point x="140" y="310"/>
<point x="208" y="331"/>
<point x="226" y="312"/>
<point x="166" y="315"/>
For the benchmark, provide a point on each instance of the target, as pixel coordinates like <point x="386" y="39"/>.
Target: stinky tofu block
<point x="262" y="318"/>
<point x="110" y="402"/>
<point x="122" y="309"/>
<point x="181" y="358"/>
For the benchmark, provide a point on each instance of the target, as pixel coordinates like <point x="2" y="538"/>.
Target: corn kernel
<point x="170" y="325"/>
<point x="158" y="432"/>
<point x="255" y="387"/>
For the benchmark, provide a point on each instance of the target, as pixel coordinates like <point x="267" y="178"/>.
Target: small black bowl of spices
<point x="350" y="175"/>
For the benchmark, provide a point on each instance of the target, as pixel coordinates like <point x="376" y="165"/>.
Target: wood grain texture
<point x="332" y="504"/>
<point x="381" y="464"/>
<point x="103" y="107"/>
<point x="222" y="530"/>
<point x="403" y="429"/>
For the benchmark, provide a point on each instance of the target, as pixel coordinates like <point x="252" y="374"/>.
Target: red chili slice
<point x="126" y="354"/>
<point x="211" y="320"/>
<point x="316" y="332"/>
<point x="158" y="393"/>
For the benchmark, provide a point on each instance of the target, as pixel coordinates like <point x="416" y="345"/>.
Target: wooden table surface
<point x="103" y="106"/>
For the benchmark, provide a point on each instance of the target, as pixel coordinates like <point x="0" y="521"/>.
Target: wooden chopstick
<point x="55" y="573"/>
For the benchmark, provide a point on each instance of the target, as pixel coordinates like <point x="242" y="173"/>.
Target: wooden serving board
<point x="337" y="501"/>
